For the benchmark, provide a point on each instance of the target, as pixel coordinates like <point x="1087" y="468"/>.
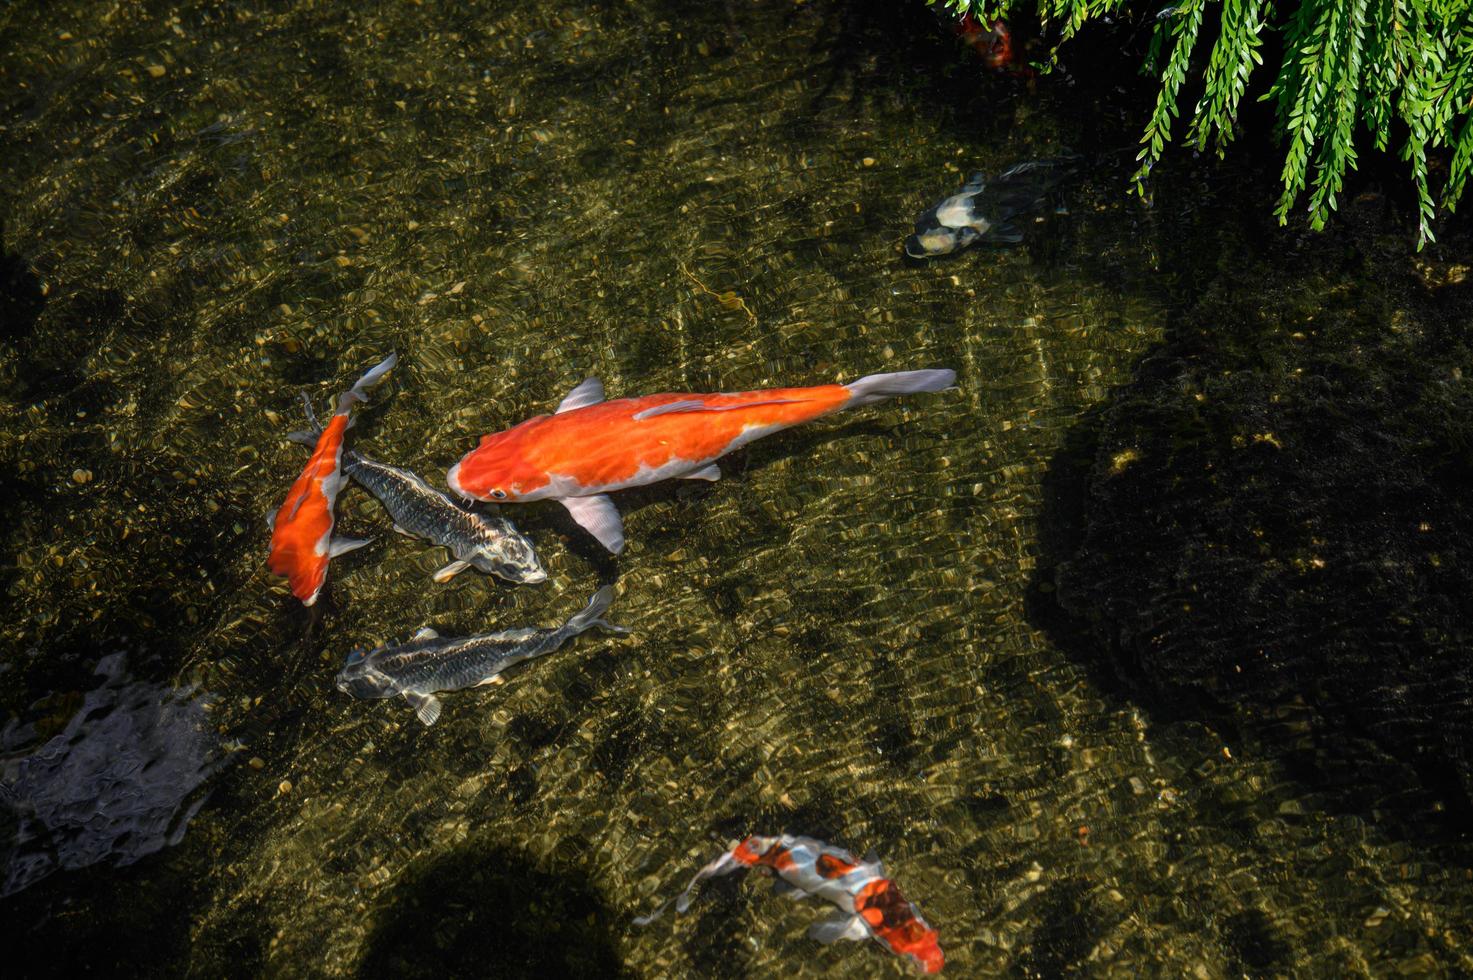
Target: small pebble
<point x="284" y="787"/>
<point x="257" y="762"/>
<point x="81" y="476"/>
<point x="157" y="71"/>
<point x="868" y="161"/>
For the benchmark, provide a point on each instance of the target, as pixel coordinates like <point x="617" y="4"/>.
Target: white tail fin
<point x="359" y="391"/>
<point x="592" y="614"/>
<point x="725" y="864"/>
<point x="877" y="387"/>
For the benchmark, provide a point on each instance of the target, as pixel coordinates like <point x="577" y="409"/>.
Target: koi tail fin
<point x="878" y="387"/>
<point x="592" y="614"/>
<point x="725" y="864"/>
<point x="359" y="391"/>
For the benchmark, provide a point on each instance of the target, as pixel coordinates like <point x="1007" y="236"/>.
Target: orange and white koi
<point x="590" y="447"/>
<point x="870" y="905"/>
<point x="301" y="531"/>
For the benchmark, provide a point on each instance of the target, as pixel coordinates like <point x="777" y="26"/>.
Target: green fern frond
<point x="1183" y="27"/>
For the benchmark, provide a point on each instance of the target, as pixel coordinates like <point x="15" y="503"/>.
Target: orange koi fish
<point x="870" y="906"/>
<point x="992" y="41"/>
<point x="301" y="531"/>
<point x="591" y="446"/>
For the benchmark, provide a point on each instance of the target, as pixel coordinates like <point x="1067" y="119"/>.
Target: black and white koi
<point x="481" y="540"/>
<point x="988" y="209"/>
<point x="429" y="663"/>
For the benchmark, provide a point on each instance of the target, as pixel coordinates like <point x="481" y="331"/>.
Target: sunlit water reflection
<point x="224" y="206"/>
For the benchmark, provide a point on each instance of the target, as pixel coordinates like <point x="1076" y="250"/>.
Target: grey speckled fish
<point x="429" y="663"/>
<point x="485" y="541"/>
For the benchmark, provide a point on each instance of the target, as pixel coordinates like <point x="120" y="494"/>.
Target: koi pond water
<point x="1141" y="652"/>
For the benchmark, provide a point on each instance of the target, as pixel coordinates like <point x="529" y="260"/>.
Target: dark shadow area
<point x="21" y="299"/>
<point x="490" y="911"/>
<point x="105" y="921"/>
<point x="1268" y="530"/>
<point x="1071" y="922"/>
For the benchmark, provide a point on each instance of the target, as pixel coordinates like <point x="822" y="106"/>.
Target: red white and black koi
<point x="301" y="530"/>
<point x="870" y="906"/>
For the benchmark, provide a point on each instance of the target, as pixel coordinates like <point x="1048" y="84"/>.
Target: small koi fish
<point x="986" y="209"/>
<point x="428" y="663"/>
<point x="488" y="542"/>
<point x="301" y="530"/>
<point x="992" y="41"/>
<point x="870" y="906"/>
<point x="590" y="447"/>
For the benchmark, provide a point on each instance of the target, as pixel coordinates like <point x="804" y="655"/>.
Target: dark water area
<point x="1142" y="653"/>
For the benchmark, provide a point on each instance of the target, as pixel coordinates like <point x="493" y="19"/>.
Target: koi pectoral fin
<point x="711" y="472"/>
<point x="426" y="706"/>
<point x="789" y="891"/>
<point x="341" y="546"/>
<point x="599" y="517"/>
<point x="451" y="570"/>
<point x="831" y="930"/>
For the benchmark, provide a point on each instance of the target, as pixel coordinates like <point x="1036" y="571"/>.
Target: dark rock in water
<point x="118" y="783"/>
<point x="1278" y="515"/>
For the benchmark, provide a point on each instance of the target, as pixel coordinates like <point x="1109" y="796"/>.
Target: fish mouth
<point x="915" y="249"/>
<point x="452" y="479"/>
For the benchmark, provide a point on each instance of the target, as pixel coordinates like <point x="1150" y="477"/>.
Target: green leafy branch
<point x="1349" y="66"/>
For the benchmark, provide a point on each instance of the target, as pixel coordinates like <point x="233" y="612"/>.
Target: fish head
<point x="360" y="679"/>
<point x="933" y="241"/>
<point x="508" y="556"/>
<point x="497" y="470"/>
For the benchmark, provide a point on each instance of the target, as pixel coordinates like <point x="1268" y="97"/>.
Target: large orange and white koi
<point x="591" y="446"/>
<point x="870" y="906"/>
<point x="301" y="531"/>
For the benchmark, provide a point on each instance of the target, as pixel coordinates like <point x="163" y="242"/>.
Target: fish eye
<point x="498" y="494"/>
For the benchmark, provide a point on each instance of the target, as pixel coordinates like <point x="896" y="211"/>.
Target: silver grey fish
<point x="429" y="663"/>
<point x="987" y="208"/>
<point x="482" y="540"/>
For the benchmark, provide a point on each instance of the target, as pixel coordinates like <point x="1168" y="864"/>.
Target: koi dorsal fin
<point x="696" y="405"/>
<point x="590" y="392"/>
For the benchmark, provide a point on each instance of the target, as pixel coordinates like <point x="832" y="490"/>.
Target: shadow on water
<point x="491" y="911"/>
<point x="1262" y="531"/>
<point x="21" y="299"/>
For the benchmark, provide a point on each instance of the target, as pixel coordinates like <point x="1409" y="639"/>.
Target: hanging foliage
<point x="1349" y="68"/>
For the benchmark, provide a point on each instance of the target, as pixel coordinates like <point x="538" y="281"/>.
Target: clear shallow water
<point x="224" y="207"/>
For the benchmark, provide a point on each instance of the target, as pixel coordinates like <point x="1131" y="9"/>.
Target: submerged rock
<point x="117" y="784"/>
